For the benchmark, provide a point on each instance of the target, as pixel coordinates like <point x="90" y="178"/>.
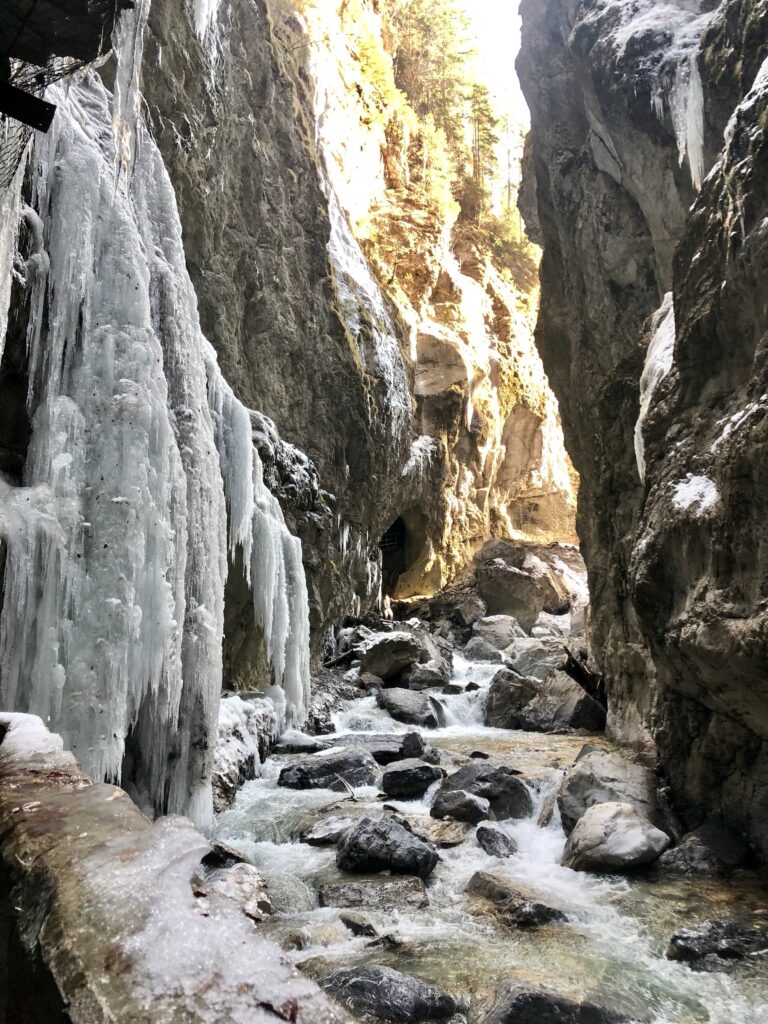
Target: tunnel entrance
<point x="393" y="556"/>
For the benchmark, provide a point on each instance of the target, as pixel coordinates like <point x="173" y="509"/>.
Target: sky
<point x="497" y="25"/>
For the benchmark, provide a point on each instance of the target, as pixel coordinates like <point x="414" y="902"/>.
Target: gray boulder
<point x="713" y="944"/>
<point x="691" y="856"/>
<point x="461" y="806"/>
<point x="469" y="610"/>
<point x="613" y="837"/>
<point x="327" y="831"/>
<point x="498" y="630"/>
<point x="385" y="747"/>
<point x="409" y="778"/>
<point x="535" y="657"/>
<point x="386" y="994"/>
<point x="412" y="708"/>
<point x="510" y="591"/>
<point x="479" y="649"/>
<point x="427" y="676"/>
<point x="331" y="771"/>
<point x="386" y="654"/>
<point x="383" y="844"/>
<point x="555" y="704"/>
<point x="299" y="743"/>
<point x="495" y="842"/>
<point x="506" y="793"/>
<point x="605" y="776"/>
<point x="358" y="924"/>
<point x="516" y="1003"/>
<point x="515" y="908"/>
<point x="376" y="894"/>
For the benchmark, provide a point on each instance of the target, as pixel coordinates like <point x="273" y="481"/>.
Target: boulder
<point x="376" y="894"/>
<point x="358" y="924"/>
<point x="386" y="994"/>
<point x="425" y="677"/>
<point x="412" y="708"/>
<point x="300" y="743"/>
<point x="386" y="654"/>
<point x="327" y="831"/>
<point x="498" y="630"/>
<point x="712" y="944"/>
<point x="535" y="657"/>
<point x="383" y="844"/>
<point x="555" y="704"/>
<point x="509" y="591"/>
<point x="385" y="747"/>
<point x="495" y="842"/>
<point x="331" y="771"/>
<point x="507" y="794"/>
<point x="469" y="610"/>
<point x="516" y="1003"/>
<point x="443" y="833"/>
<point x="368" y="681"/>
<point x="461" y="806"/>
<point x="409" y="778"/>
<point x="479" y="649"/>
<point x="289" y="894"/>
<point x="613" y="837"/>
<point x="691" y="856"/>
<point x="605" y="776"/>
<point x="516" y="908"/>
<point x="242" y="884"/>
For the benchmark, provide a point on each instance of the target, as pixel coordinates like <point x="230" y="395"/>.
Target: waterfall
<point x="116" y="544"/>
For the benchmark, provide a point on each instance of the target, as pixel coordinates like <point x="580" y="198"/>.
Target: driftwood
<point x="341" y="659"/>
<point x="591" y="682"/>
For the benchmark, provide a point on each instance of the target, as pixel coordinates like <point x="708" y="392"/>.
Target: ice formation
<point x="116" y="544"/>
<point x="658" y="363"/>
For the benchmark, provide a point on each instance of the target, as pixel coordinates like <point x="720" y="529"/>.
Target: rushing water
<point x="612" y="948"/>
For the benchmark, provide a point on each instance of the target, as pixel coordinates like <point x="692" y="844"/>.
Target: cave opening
<point x="393" y="556"/>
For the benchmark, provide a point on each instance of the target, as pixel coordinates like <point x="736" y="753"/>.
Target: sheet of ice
<point x="113" y="615"/>
<point x="695" y="493"/>
<point x="658" y="363"/>
<point x="732" y="423"/>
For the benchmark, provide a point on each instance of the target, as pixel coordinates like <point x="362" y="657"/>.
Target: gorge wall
<point x="647" y="187"/>
<point x="209" y="357"/>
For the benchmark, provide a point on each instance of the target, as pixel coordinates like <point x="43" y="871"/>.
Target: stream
<point x="611" y="949"/>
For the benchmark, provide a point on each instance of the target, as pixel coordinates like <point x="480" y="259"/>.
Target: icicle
<point x="128" y="44"/>
<point x="658" y="363"/>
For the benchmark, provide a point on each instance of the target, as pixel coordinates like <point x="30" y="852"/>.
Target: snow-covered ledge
<point x="113" y="911"/>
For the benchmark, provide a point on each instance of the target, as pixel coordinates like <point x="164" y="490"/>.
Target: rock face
<point x="554" y="704"/>
<point x="672" y="513"/>
<point x="507" y="795"/>
<point x="613" y="837"/>
<point x="389" y="995"/>
<point x="383" y="844"/>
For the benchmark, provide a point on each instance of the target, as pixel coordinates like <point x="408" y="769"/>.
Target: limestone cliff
<point x="647" y="183"/>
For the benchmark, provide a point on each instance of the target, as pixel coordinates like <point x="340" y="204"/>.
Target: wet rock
<point x="507" y="794"/>
<point x="516" y="908"/>
<point x="425" y="677"/>
<point x="453" y="688"/>
<point x="554" y="704"/>
<point x="711" y="945"/>
<point x="605" y="776"/>
<point x="331" y="771"/>
<point x="409" y="778"/>
<point x="509" y="591"/>
<point x="495" y="842"/>
<point x="383" y="844"/>
<point x="244" y="885"/>
<point x="387" y="654"/>
<point x="368" y="681"/>
<point x="535" y="657"/>
<point x="472" y="686"/>
<point x="613" y="837"/>
<point x="376" y="894"/>
<point x="413" y="708"/>
<point x="385" y="747"/>
<point x="479" y="649"/>
<point x="480" y="755"/>
<point x="358" y="924"/>
<point x="327" y="831"/>
<point x="431" y="755"/>
<point x="443" y="833"/>
<point x="461" y="806"/>
<point x="289" y="895"/>
<point x="246" y="730"/>
<point x="498" y="630"/>
<point x="387" y="994"/>
<point x="299" y="743"/>
<point x="515" y="1003"/>
<point x="691" y="856"/>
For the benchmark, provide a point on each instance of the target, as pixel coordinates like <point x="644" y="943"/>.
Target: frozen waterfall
<point x="116" y="544"/>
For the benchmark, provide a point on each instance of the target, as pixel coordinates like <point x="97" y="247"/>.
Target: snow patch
<point x="658" y="362"/>
<point x="696" y="493"/>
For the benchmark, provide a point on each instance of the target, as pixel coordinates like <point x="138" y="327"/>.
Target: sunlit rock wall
<point x="647" y="171"/>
